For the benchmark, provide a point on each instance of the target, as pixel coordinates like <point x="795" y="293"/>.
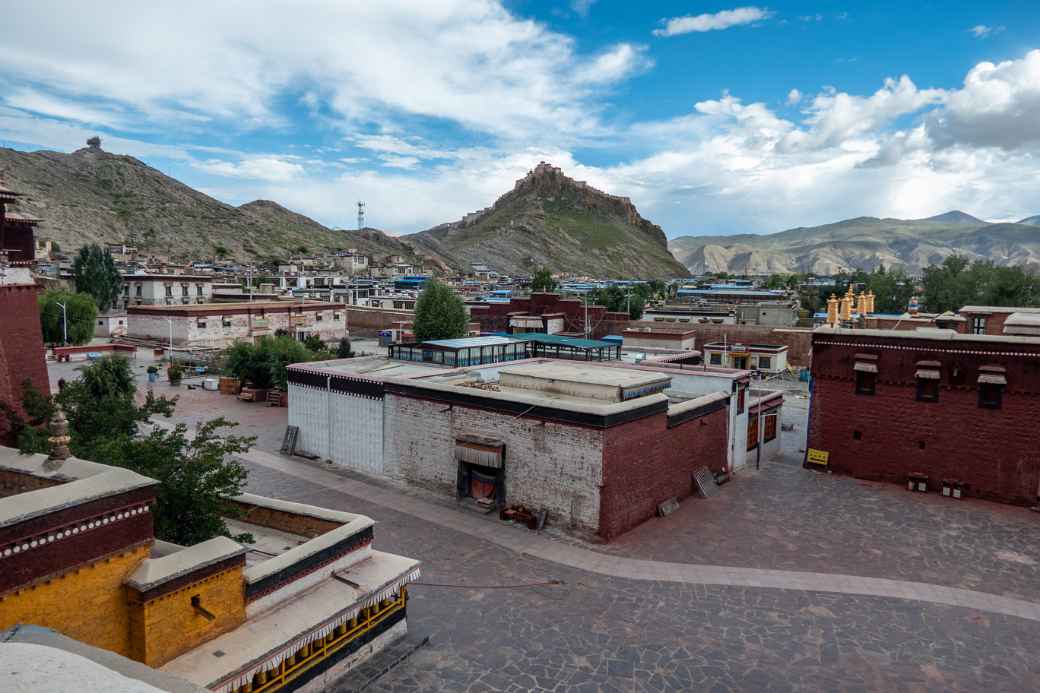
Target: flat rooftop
<point x="372" y="367"/>
<point x="584" y="374"/>
<point x="935" y="334"/>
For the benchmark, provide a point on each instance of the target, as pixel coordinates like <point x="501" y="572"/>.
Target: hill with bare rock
<point x="550" y="220"/>
<point x="92" y="196"/>
<point x="864" y="243"/>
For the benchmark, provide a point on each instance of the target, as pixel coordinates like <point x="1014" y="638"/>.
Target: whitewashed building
<point x="218" y="325"/>
<point x="166" y="289"/>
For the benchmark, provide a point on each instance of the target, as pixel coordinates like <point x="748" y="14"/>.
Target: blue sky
<point x="714" y="118"/>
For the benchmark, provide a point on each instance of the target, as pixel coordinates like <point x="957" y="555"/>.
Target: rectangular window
<point x="138" y="291"/>
<point x="198" y="290"/>
<point x="184" y="290"/>
<point x="927" y="390"/>
<point x="752" y="432"/>
<point x="763" y="363"/>
<point x="978" y="325"/>
<point x="866" y="383"/>
<point x="990" y="395"/>
<point x="716" y="359"/>
<point x="169" y="291"/>
<point x="318" y="317"/>
<point x="770" y="428"/>
<point x="741" y="393"/>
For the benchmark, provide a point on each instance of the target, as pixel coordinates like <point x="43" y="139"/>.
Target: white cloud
<point x="998" y="106"/>
<point x="793" y="97"/>
<point x="265" y="168"/>
<point x="470" y="62"/>
<point x="712" y="22"/>
<point x="983" y="31"/>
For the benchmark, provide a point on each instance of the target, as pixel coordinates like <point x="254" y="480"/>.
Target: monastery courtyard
<point x="786" y="580"/>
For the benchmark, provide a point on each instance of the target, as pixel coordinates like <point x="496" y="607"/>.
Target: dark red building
<point x="565" y="315"/>
<point x="949" y="406"/>
<point x="22" y="353"/>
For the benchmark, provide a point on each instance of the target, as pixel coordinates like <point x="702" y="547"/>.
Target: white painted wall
<point x="344" y="428"/>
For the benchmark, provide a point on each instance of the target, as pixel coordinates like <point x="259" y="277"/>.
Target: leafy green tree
<point x="344" y="350"/>
<point x="94" y="272"/>
<point x="439" y="313"/>
<point x="197" y="480"/>
<point x="79" y="315"/>
<point x="617" y="300"/>
<point x="892" y="289"/>
<point x="314" y="343"/>
<point x="543" y="281"/>
<point x="28" y="426"/>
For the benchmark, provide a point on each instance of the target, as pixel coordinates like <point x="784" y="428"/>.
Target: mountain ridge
<point x="93" y="196"/>
<point x="551" y="220"/>
<point x="864" y="243"/>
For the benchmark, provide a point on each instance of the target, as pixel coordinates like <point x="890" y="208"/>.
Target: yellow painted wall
<point x="165" y="627"/>
<point x="87" y="603"/>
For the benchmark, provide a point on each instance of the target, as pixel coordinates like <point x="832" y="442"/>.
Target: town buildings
<point x="166" y="289"/>
<point x="947" y="406"/>
<point x="549" y="313"/>
<point x="218" y="325"/>
<point x="310" y="597"/>
<point x="769" y="358"/>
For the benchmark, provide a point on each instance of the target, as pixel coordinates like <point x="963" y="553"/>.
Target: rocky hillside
<point x="864" y="243"/>
<point x="550" y="220"/>
<point x="91" y="196"/>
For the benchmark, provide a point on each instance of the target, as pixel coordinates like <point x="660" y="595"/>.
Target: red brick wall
<point x="21" y="347"/>
<point x="994" y="322"/>
<point x="645" y="462"/>
<point x="996" y="451"/>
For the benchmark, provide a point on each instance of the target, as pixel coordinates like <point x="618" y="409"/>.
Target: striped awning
<point x="486" y="454"/>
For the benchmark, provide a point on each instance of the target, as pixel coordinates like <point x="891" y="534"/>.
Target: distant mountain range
<point x="91" y="196"/>
<point x="550" y="220"/>
<point x="864" y="243"/>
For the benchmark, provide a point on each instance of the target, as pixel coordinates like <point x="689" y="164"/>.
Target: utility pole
<point x="360" y="215"/>
<point x="170" y="321"/>
<point x="586" y="315"/>
<point x="64" y="323"/>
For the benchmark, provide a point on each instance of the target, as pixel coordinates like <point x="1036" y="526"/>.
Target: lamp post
<point x="170" y="321"/>
<point x="64" y="323"/>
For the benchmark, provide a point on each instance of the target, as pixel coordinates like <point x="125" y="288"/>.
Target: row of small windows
<point x="991" y="388"/>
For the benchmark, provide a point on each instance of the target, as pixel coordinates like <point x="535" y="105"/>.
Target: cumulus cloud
<point x="998" y="106"/>
<point x="582" y="7"/>
<point x="793" y="97"/>
<point x="725" y="19"/>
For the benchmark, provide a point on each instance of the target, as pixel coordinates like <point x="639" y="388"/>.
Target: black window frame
<point x="866" y="383"/>
<point x="978" y="324"/>
<point x="991" y="396"/>
<point x="924" y="384"/>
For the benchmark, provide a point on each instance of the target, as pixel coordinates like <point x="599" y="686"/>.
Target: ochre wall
<point x="87" y="603"/>
<point x="167" y="626"/>
<point x="645" y="463"/>
<point x="21" y="347"/>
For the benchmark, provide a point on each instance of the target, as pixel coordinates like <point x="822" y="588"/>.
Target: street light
<point x="64" y="323"/>
<point x="170" y="321"/>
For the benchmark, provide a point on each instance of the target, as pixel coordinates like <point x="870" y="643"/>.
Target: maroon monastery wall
<point x="21" y="347"/>
<point x="891" y="434"/>
<point x="645" y="462"/>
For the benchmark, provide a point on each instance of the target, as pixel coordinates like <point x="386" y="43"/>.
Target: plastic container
<point x="211" y="384"/>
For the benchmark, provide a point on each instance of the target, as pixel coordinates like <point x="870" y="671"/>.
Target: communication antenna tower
<point x="360" y="215"/>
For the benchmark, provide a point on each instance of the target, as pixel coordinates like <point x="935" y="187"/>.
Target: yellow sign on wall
<point x="819" y="456"/>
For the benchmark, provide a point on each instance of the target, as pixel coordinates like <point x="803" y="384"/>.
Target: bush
<point x="313" y="343"/>
<point x="263" y="364"/>
<point x="344" y="350"/>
